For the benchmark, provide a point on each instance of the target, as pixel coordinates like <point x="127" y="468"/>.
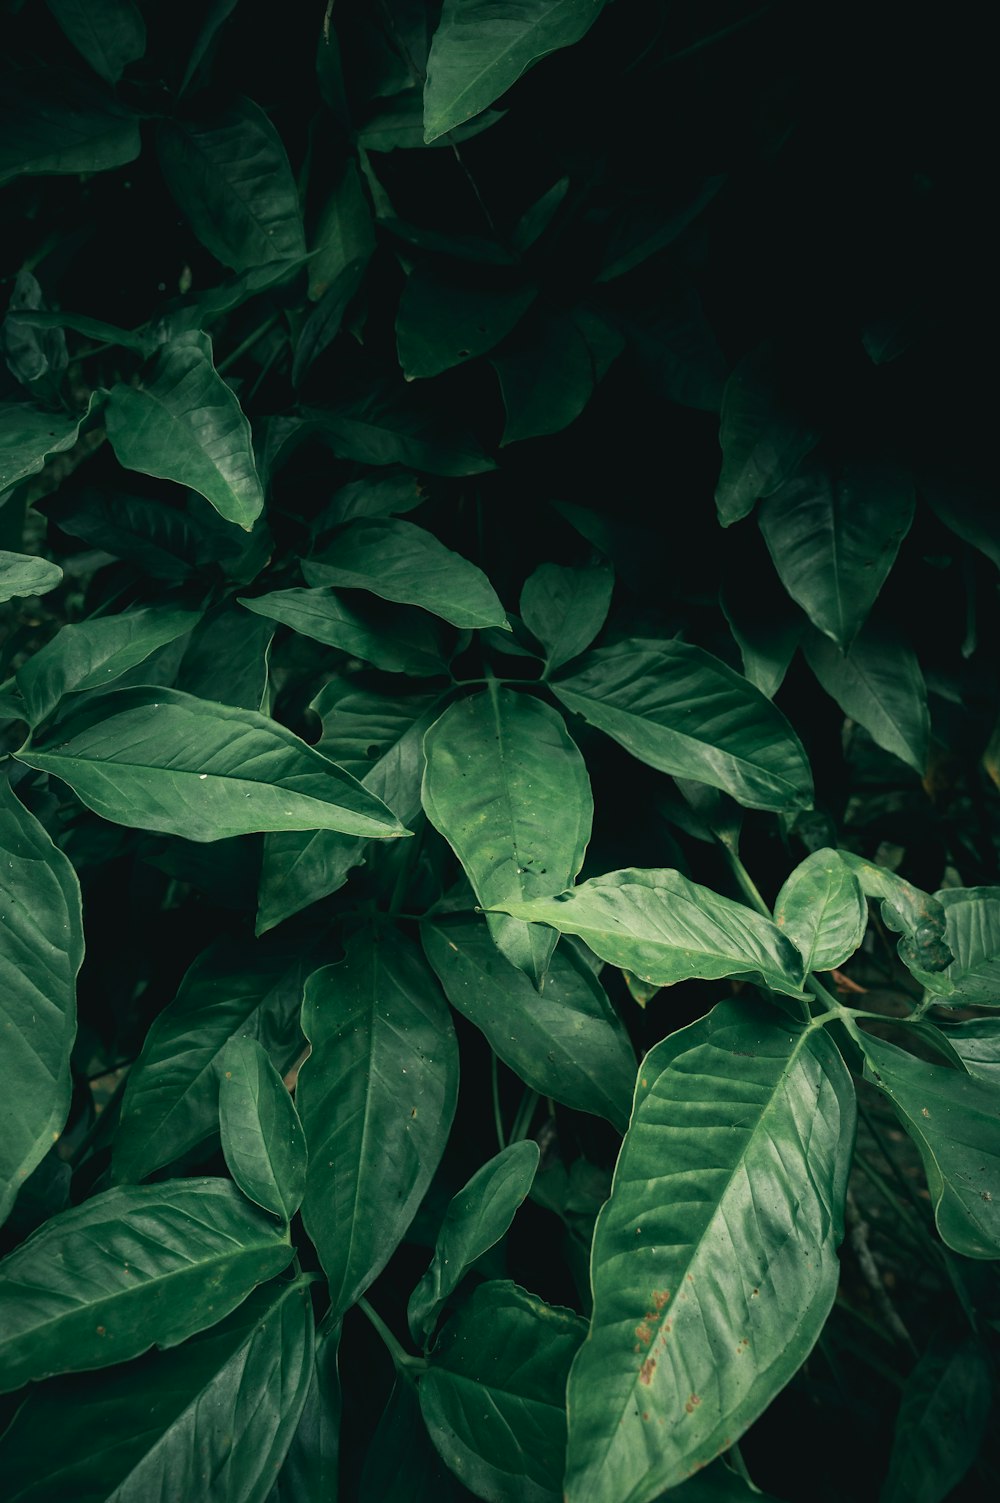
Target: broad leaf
<point x="684" y="712"/>
<point x="508" y="789"/>
<point x="21" y="574"/>
<point x="822" y="910"/>
<point x="210" y="1419"/>
<point x="185" y="424"/>
<point x="401" y="1461"/>
<point x="953" y="1120"/>
<point x="766" y="628"/>
<point x="946" y="1403"/>
<point x="481" y="48"/>
<point x="549" y="377"/>
<point x="92" y="654"/>
<point x="29" y="435"/>
<point x="394" y="638"/>
<point x="476" y="1218"/>
<point x="399" y="561"/>
<point x="41" y="949"/>
<point x="977" y="1043"/>
<point x="667" y="929"/>
<point x="493" y="1397"/>
<point x="345" y="235"/>
<point x="311" y="1467"/>
<point x="834" y="532"/>
<point x="234" y="990"/>
<point x="110" y="34"/>
<point x="907" y="911"/>
<point x="157" y="759"/>
<point x="442" y="323"/>
<point x="230" y="177"/>
<point x="714" y="1261"/>
<point x="566" y="1041"/>
<point x="227" y="659"/>
<point x="53" y="123"/>
<point x="566" y="608"/>
<point x="130" y="1268"/>
<point x="376" y="1096"/>
<point x="158" y="539"/>
<point x="374" y="496"/>
<point x="763" y="433"/>
<point x="399" y="426"/>
<point x="879" y="684"/>
<point x="962" y="503"/>
<point x="262" y="1137"/>
<point x="400" y="123"/>
<point x="972" y="934"/>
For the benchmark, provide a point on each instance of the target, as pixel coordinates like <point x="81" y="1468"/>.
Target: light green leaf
<point x="763" y="435"/>
<point x="714" y="1261"/>
<point x="977" y="1043"/>
<point x="345" y="234"/>
<point x="442" y="323"/>
<point x="230" y="177"/>
<point x="953" y="1120"/>
<point x="879" y="684"/>
<point x="394" y="425"/>
<point x="236" y="989"/>
<point x="53" y="123"/>
<point x="919" y="918"/>
<point x="41" y="950"/>
<point x="941" y="1422"/>
<point x="566" y="1041"/>
<point x="834" y="532"/>
<point x="549" y="377"/>
<point x="29" y="435"/>
<point x="185" y="424"/>
<point x="667" y="929"/>
<point x="209" y="1419"/>
<point x="400" y="561"/>
<point x="972" y="934"/>
<point x="682" y="711"/>
<point x="508" y="789"/>
<point x="377" y="1096"/>
<point x="566" y="608"/>
<point x="130" y="1268"/>
<point x="822" y="910"/>
<point x="92" y="654"/>
<point x="481" y="47"/>
<point x="22" y="574"/>
<point x="262" y="1138"/>
<point x="157" y="759"/>
<point x="476" y="1218"/>
<point x="110" y="34"/>
<point x="393" y="638"/>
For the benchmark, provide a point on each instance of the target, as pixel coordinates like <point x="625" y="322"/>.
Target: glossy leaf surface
<point x="28" y="436"/>
<point x="392" y="638"/>
<point x="972" y="934"/>
<point x="822" y="910"/>
<point x="262" y="1136"/>
<point x="879" y="684"/>
<point x="20" y="574"/>
<point x="907" y="911"/>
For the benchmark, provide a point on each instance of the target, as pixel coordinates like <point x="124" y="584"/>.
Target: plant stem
<point x="248" y="343"/>
<point x="495" y="1086"/>
<point x="525" y="1112"/>
<point x="402" y="1360"/>
<point x="747" y="884"/>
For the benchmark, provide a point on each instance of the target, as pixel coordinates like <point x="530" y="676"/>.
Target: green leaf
<point x="158" y="539"/>
<point x="566" y="1041"/>
<point x="549" y="377"/>
<point x="401" y="1462"/>
<point x="919" y="918"/>
<point x="210" y="1419"/>
<point x="230" y="177"/>
<point x="262" y="1137"/>
<point x="766" y="630"/>
<point x="394" y="425"/>
<point x="130" y="1268"/>
<point x="185" y="424"/>
<point x="373" y="496"/>
<point x="684" y="712"/>
<point x="53" y="123"/>
<point x="653" y="224"/>
<point x="714" y="1261"/>
<point x="41" y="949"/>
<point x="972" y="934"/>
<point x="676" y="349"/>
<point x="493" y="1395"/>
<point x="762" y="433"/>
<point x="394" y="638"/>
<point x="29" y="435"/>
<point x="977" y="1043"/>
<point x="22" y="574"/>
<point x="443" y="322"/>
<point x="536" y="219"/>
<point x="953" y="1120"/>
<point x="311" y="1468"/>
<point x="508" y="789"/>
<point x="941" y="1423"/>
<point x="377" y="1096"/>
<point x="566" y="608"/>
<point x="234" y="990"/>
<point x="962" y="502"/>
<point x="667" y="929"/>
<point x="476" y="1218"/>
<point x="110" y="34"/>
<point x="323" y="324"/>
<point x="822" y="910"/>
<point x="157" y="759"/>
<point x="227" y="659"/>
<point x="879" y="684"/>
<point x="400" y="561"/>
<point x="94" y="653"/>
<point x="400" y="123"/>
<point x="481" y="48"/>
<point x="833" y="531"/>
<point x="345" y="234"/>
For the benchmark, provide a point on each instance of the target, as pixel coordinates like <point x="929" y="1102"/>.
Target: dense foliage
<point x="403" y="744"/>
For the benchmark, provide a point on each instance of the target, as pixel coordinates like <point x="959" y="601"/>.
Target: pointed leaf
<point x="977" y="1043"/>
<point x="972" y="934"/>
<point x="262" y="1139"/>
<point x="549" y="377"/>
<point x="762" y="433"/>
<point x="566" y="608"/>
<point x="28" y="435"/>
<point x="185" y="424"/>
<point x="158" y="539"/>
<point x="941" y="1422"/>
<point x="394" y="638"/>
<point x="157" y="759"/>
<point x="682" y="711"/>
<point x="130" y="1268"/>
<point x="344" y="235"/>
<point x="879" y="684"/>
<point x="766" y="631"/>
<point x="324" y="322"/>
<point x="493" y="1397"/>
<point x="41" y="949"/>
<point x="822" y="910"/>
<point x="918" y="917"/>
<point x="227" y="659"/>
<point x="401" y="1461"/>
<point x="376" y="1096"/>
<point x="507" y="788"/>
<point x="401" y="426"/>
<point x="653" y="224"/>
<point x="53" y="123"/>
<point x="21" y="574"/>
<point x="311" y="1468"/>
<point x="714" y="1261"/>
<point x="442" y="323"/>
<point x="110" y="34"/>
<point x="667" y="929"/>
<point x="834" y="532"/>
<point x="566" y="1041"/>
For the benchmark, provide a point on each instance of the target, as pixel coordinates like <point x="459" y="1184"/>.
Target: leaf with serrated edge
<point x="822" y="910"/>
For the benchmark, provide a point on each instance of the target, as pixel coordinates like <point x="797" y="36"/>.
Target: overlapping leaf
<point x="879" y="684"/>
<point x="261" y="1133"/>
<point x="21" y="574"/>
<point x="566" y="608"/>
<point x="972" y="934"/>
<point x="822" y="910"/>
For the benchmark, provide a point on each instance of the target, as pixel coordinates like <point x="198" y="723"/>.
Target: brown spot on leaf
<point x="646" y="1371"/>
<point x="985" y="1195"/>
<point x="643" y="1333"/>
<point x="692" y="1404"/>
<point x="660" y="1297"/>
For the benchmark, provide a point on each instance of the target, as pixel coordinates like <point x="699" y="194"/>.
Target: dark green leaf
<point x="977" y="1043"/>
<point x="566" y="608"/>
<point x="215" y="13"/>
<point x="677" y="351"/>
<point x="401" y="1461"/>
<point x="110" y="34"/>
<point x="377" y="1096"/>
<point x="963" y="504"/>
<point x="508" y="789"/>
<point x="651" y="226"/>
<point x="879" y="684"/>
<point x="442" y="323"/>
<point x="714" y="1261"/>
<point x="682" y="711"/>
<point x="946" y="1404"/>
<point x="394" y="638"/>
<point x="323" y="324"/>
<point x="918" y="917"/>
<point x="130" y="1268"/>
<point x="374" y="496"/>
<point x="37" y="357"/>
<point x="393" y="426"/>
<point x="400" y="123"/>
<point x="227" y="659"/>
<point x="311" y="1467"/>
<point x="29" y="435"/>
<point x="53" y="123"/>
<point x="822" y="910"/>
<point x="41" y="949"/>
<point x="345" y="235"/>
<point x="262" y="1137"/>
<point x="157" y="539"/>
<point x="763" y="435"/>
<point x="766" y="632"/>
<point x="21" y="574"/>
<point x="972" y="934"/>
<point x="547" y="380"/>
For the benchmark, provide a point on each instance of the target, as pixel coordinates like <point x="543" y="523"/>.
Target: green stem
<point x="525" y="1112"/>
<point x="740" y="1467"/>
<point x="495" y="1087"/>
<point x="248" y="343"/>
<point x="747" y="884"/>
<point x="402" y="1360"/>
